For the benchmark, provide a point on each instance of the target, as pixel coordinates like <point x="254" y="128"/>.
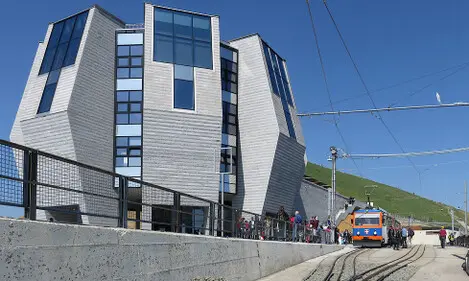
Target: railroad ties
<point x="344" y="267"/>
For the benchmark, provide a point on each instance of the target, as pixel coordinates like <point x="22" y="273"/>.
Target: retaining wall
<point x="48" y="251"/>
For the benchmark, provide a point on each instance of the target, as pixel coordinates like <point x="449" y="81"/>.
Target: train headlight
<point x="375" y="233"/>
<point x="358" y="233"/>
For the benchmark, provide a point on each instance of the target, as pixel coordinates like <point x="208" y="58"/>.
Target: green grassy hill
<point x="392" y="199"/>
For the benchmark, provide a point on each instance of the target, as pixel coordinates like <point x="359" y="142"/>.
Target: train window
<point x="366" y="221"/>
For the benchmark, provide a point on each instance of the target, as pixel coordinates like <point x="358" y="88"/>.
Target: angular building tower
<point x="271" y="141"/>
<point x="165" y="102"/>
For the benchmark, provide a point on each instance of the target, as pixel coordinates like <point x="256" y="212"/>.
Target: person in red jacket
<point x="442" y="235"/>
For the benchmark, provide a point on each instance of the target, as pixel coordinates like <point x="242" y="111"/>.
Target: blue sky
<point x="391" y="41"/>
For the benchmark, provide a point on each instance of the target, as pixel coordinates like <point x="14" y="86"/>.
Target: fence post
<point x="123" y="191"/>
<point x="233" y="223"/>
<point x="212" y="219"/>
<point x="176" y="214"/>
<point x="29" y="184"/>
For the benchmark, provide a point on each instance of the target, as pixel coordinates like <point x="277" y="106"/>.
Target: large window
<point x="63" y="43"/>
<point x="61" y="51"/>
<point x="184" y="97"/>
<point x="182" y="38"/>
<point x="279" y="83"/>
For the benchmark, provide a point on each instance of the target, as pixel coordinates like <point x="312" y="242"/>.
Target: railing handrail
<point x="141" y="182"/>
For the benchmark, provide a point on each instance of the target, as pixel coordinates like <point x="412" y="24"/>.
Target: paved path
<point x="443" y="264"/>
<point x="435" y="264"/>
<point x="303" y="270"/>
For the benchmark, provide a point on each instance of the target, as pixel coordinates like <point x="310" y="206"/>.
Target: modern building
<point x="167" y="102"/>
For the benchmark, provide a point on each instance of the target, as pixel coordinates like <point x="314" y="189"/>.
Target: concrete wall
<point x="46" y="251"/>
<point x="311" y="200"/>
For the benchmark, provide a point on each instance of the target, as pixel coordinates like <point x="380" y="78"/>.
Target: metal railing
<point x="56" y="189"/>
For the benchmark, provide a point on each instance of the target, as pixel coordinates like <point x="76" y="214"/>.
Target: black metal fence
<point x="56" y="189"/>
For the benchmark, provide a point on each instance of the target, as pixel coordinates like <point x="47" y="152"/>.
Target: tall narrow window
<point x="129" y="104"/>
<point x="279" y="83"/>
<point x="184" y="87"/>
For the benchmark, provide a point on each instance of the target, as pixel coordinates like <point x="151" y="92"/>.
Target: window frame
<point x="170" y="36"/>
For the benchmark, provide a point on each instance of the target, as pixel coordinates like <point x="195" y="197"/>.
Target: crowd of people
<point x="290" y="228"/>
<point x="400" y="237"/>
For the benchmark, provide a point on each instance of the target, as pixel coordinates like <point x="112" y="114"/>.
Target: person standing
<point x="442" y="235"/>
<point x="297" y="220"/>
<point x="396" y="239"/>
<point x="404" y="237"/>
<point x="410" y="234"/>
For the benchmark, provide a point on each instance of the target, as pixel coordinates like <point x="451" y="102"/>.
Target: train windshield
<point x="367" y="219"/>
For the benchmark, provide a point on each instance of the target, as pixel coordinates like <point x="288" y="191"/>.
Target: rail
<point x="56" y="189"/>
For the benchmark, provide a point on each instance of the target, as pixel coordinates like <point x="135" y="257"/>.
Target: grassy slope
<point x="394" y="200"/>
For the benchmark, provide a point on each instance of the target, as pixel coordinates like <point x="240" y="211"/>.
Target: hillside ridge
<point x="392" y="199"/>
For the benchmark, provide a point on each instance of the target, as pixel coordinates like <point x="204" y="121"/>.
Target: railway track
<point x="383" y="271"/>
<point x="335" y="270"/>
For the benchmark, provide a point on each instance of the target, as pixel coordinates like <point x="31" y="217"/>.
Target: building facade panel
<point x="258" y="127"/>
<point x="287" y="173"/>
<point x="182" y="151"/>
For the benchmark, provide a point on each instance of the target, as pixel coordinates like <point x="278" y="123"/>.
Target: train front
<point x="367" y="228"/>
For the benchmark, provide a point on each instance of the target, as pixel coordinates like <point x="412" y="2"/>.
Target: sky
<point x="391" y="42"/>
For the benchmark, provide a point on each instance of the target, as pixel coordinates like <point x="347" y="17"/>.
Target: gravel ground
<point x="434" y="264"/>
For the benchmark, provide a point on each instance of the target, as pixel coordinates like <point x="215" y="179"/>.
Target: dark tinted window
<point x="123" y="51"/>
<point x="184" y="94"/>
<point x="203" y="54"/>
<point x="122" y="96"/>
<point x="59" y="56"/>
<point x="136" y="50"/>
<point x="67" y="30"/>
<point x="182" y="38"/>
<point x="72" y="52"/>
<point x="123" y="62"/>
<point x="79" y="25"/>
<point x="47" y="61"/>
<point x="47" y="98"/>
<point x="163" y="49"/>
<point x="55" y="35"/>
<point x="183" y="25"/>
<point x="65" y="35"/>
<point x="135" y="95"/>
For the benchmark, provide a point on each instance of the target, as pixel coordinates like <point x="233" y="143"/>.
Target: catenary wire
<point x="431" y="84"/>
<point x="316" y="40"/>
<point x="364" y="84"/>
<point x="408" y="154"/>
<point x="459" y="66"/>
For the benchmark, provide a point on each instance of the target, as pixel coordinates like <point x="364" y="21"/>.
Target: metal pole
<point x="334" y="159"/>
<point x="222" y="200"/>
<point x="465" y="202"/>
<point x="412" y="107"/>
<point x="452" y="220"/>
<point x="329" y="197"/>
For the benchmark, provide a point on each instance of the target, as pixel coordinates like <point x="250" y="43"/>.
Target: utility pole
<point x="452" y="220"/>
<point x="465" y="202"/>
<point x="334" y="159"/>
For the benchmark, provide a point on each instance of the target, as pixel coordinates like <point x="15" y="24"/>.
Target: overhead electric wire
<point x="407" y="154"/>
<point x="323" y="70"/>
<point x="364" y="84"/>
<point x="376" y="110"/>
<point x="431" y="84"/>
<point x="459" y="66"/>
<point x="430" y="166"/>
